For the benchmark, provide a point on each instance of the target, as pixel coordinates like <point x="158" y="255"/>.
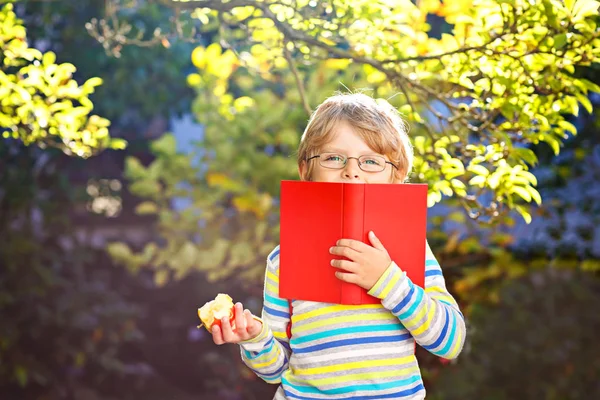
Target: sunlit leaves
<point x="476" y="98"/>
<point x="40" y="102"/>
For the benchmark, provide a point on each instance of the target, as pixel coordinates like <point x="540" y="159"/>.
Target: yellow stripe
<point x="354" y="365"/>
<point x="456" y="346"/>
<point x="390" y="286"/>
<point x="376" y="375"/>
<point x="268" y="362"/>
<point x="440" y="294"/>
<point x="427" y="323"/>
<point x="346" y="318"/>
<point x="272" y="288"/>
<point x="334" y="309"/>
<point x="272" y="276"/>
<point x="381" y="279"/>
<point x="280" y="335"/>
<point x="413" y="321"/>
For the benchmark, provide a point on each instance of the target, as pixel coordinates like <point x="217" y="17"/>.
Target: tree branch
<point x="299" y="83"/>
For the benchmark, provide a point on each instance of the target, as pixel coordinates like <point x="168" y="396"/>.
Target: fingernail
<point x="331" y="262"/>
<point x="331" y="249"/>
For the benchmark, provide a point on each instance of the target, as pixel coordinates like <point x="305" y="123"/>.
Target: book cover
<point x="315" y="215"/>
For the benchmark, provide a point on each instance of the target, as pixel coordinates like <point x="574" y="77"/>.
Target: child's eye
<point x="335" y="158"/>
<point x="372" y="161"/>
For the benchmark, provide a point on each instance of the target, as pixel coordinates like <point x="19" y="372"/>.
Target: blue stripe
<point x="272" y="311"/>
<point x="432" y="263"/>
<point x="453" y="306"/>
<point x="274" y="374"/>
<point x="440" y="338"/>
<point x="450" y="342"/>
<point x="350" y="342"/>
<point x="274" y="254"/>
<point x="414" y="306"/>
<point x="403" y="393"/>
<point x="433" y="272"/>
<point x="405" y="300"/>
<point x="349" y="389"/>
<point x="343" y="331"/>
<point x="255" y="354"/>
<point x="277" y="301"/>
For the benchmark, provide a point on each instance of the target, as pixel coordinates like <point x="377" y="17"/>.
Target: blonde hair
<point x="377" y="122"/>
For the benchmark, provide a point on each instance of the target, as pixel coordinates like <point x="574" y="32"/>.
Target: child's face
<point x="347" y="142"/>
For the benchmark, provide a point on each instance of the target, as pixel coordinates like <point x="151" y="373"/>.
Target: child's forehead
<point x="344" y="136"/>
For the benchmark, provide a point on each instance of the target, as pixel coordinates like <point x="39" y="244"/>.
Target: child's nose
<point x="352" y="170"/>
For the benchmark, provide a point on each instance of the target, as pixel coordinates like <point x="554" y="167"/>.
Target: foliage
<point x="253" y="111"/>
<point x="563" y="234"/>
<point x="539" y="342"/>
<point x="62" y="316"/>
<point x="503" y="79"/>
<point x="140" y="83"/>
<point x="41" y="102"/>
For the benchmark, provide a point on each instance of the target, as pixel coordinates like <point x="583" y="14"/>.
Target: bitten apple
<point x="212" y="312"/>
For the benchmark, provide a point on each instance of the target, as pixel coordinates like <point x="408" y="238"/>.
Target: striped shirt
<point x="355" y="352"/>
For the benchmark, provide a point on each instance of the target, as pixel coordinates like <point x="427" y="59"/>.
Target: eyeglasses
<point x="368" y="163"/>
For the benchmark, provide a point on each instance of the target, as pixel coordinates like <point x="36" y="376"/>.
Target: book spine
<point x="353" y="207"/>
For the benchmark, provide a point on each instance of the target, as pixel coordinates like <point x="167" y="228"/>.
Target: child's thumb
<point x="255" y="327"/>
<point x="375" y="241"/>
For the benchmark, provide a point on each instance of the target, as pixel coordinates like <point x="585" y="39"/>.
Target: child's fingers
<point x="344" y="251"/>
<point x="349" y="266"/>
<point x="347" y="277"/>
<point x="355" y="245"/>
<point x="375" y="241"/>
<point x="228" y="335"/>
<point x="240" y="320"/>
<point x="216" y="335"/>
<point x="254" y="326"/>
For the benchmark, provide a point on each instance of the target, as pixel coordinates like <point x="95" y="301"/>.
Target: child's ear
<point x="302" y="171"/>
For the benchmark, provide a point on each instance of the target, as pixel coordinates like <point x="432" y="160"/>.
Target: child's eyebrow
<point x="336" y="150"/>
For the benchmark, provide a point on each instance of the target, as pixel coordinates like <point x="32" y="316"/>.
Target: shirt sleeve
<point x="268" y="354"/>
<point x="431" y="315"/>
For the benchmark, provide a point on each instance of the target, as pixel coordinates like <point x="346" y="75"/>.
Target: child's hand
<point x="246" y="327"/>
<point x="366" y="264"/>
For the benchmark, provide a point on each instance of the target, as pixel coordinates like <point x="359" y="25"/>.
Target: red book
<point x="315" y="215"/>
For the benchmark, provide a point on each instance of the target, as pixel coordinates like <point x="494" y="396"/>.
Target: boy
<point x="341" y="351"/>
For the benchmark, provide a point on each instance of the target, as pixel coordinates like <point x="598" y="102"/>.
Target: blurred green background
<point x="142" y="147"/>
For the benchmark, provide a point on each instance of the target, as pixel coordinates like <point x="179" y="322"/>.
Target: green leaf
<point x="560" y="41"/>
<point x="478" y="169"/>
<point x="591" y="85"/>
<point x="118" y="144"/>
<point x="146" y="207"/>
<point x="526" y="154"/>
<point x="522" y="192"/>
<point x="134" y="168"/>
<point x="585" y="101"/>
<point x="524" y="213"/>
<point x="119" y="251"/>
<point x="567" y="126"/>
<point x="535" y="195"/>
<point x="166" y="145"/>
<point x="554" y="144"/>
<point x="478" y="181"/>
